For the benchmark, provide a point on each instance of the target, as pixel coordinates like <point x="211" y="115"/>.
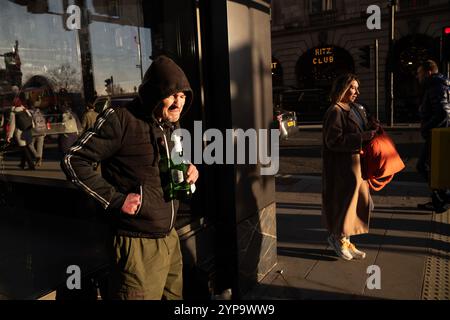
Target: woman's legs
<point x="340" y="246"/>
<point x="344" y="248"/>
<point x="357" y="254"/>
<point x="27" y="157"/>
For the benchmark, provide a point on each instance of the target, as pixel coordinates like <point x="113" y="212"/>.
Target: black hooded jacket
<point x="435" y="108"/>
<point x="129" y="143"/>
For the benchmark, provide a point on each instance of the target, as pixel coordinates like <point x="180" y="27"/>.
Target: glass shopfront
<point x="76" y="45"/>
<point x="65" y="53"/>
<point x="68" y="52"/>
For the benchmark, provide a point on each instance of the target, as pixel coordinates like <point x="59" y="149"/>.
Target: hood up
<point x="163" y="79"/>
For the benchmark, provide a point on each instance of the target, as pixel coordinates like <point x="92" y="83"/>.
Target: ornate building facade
<point x="313" y="41"/>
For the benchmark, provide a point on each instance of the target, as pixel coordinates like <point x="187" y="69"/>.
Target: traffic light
<point x="107" y="82"/>
<point x="446" y="44"/>
<point x="365" y="56"/>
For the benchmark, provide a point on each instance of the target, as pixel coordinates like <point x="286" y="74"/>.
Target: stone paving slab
<point x="398" y="243"/>
<point x="401" y="275"/>
<point x="437" y="266"/>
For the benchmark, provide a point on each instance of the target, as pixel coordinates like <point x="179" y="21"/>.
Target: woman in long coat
<point x="346" y="201"/>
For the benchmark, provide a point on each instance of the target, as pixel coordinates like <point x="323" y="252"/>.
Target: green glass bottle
<point x="178" y="172"/>
<point x="166" y="180"/>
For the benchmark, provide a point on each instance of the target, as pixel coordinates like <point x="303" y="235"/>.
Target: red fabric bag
<point x="380" y="161"/>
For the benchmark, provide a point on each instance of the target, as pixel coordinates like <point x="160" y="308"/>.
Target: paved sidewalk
<point x="50" y="169"/>
<point x="407" y="244"/>
<point x="411" y="247"/>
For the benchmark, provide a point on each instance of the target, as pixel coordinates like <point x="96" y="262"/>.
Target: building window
<point x="58" y="67"/>
<point x="322" y="12"/>
<point x="109" y="8"/>
<point x="318" y="6"/>
<point x="412" y="4"/>
<point x="114" y="8"/>
<point x="118" y="41"/>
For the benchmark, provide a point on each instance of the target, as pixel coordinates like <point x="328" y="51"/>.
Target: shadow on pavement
<point x="304" y="253"/>
<point x="274" y="292"/>
<point x="308" y="229"/>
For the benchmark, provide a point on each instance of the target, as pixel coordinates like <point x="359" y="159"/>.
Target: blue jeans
<point x="37" y="146"/>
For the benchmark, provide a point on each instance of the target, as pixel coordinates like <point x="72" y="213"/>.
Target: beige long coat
<point x="346" y="202"/>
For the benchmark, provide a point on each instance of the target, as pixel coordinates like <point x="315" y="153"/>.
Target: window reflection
<point x="60" y="52"/>
<point x="120" y="46"/>
<point x="37" y="45"/>
<point x="114" y="39"/>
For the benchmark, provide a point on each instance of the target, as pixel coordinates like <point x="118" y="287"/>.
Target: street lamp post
<point x="392" y="4"/>
<point x="377" y="100"/>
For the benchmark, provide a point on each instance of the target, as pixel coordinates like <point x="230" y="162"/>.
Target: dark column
<point x="238" y="86"/>
<point x="85" y="51"/>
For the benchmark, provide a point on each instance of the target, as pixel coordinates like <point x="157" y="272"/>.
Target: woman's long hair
<point x="341" y="85"/>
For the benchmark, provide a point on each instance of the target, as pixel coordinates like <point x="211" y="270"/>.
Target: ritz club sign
<point x="323" y="55"/>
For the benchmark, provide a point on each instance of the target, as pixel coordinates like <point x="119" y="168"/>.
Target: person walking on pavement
<point x="72" y="126"/>
<point x="434" y="113"/>
<point x="346" y="201"/>
<point x="131" y="142"/>
<point x="20" y="125"/>
<point x="89" y="118"/>
<point x="38" y="133"/>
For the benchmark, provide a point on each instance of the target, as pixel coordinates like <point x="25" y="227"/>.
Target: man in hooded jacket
<point x="131" y="142"/>
<point x="434" y="113"/>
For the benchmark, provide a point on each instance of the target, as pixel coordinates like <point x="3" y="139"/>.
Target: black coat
<point x="130" y="143"/>
<point x="435" y="107"/>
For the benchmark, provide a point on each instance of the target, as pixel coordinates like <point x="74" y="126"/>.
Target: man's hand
<point x="131" y="204"/>
<point x="192" y="174"/>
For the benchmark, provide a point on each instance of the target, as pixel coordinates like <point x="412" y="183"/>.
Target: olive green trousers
<point x="146" y="269"/>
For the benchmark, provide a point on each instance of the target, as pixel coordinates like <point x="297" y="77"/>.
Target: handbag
<point x="23" y="120"/>
<point x="380" y="161"/>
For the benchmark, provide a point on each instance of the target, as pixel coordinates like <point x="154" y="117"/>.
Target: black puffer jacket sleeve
<point x="436" y="105"/>
<point x="95" y="145"/>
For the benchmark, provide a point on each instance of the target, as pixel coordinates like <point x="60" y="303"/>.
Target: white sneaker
<point x="340" y="246"/>
<point x="356" y="254"/>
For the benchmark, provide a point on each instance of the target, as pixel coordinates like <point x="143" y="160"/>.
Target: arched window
<point x="409" y="52"/>
<point x="319" y="66"/>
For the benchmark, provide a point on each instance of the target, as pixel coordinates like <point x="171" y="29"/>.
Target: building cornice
<point x="405" y="14"/>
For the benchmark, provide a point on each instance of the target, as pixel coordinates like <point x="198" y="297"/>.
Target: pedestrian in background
<point x="38" y="133"/>
<point x="20" y="125"/>
<point x="72" y="127"/>
<point x="89" y="118"/>
<point x="346" y="201"/>
<point x="434" y="113"/>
